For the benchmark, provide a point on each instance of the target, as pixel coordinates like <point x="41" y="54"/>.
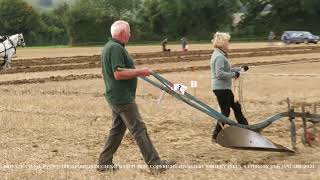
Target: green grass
<point x="49" y="46"/>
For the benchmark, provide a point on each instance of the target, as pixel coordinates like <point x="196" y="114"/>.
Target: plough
<point x="239" y="136"/>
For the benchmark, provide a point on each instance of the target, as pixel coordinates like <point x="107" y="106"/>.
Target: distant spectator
<point x="184" y="44"/>
<point x="271" y="37"/>
<point x="164" y="45"/>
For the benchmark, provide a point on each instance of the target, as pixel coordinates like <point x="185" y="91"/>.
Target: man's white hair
<point x="220" y="39"/>
<point x="118" y="26"/>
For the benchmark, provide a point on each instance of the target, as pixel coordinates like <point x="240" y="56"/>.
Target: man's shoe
<point x="107" y="168"/>
<point x="162" y="166"/>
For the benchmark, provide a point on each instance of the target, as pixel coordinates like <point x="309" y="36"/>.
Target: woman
<point x="221" y="76"/>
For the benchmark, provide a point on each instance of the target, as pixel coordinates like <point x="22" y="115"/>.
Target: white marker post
<point x="194" y="85"/>
<point x="161" y="97"/>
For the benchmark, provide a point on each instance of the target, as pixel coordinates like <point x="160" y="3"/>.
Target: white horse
<point x="2" y="38"/>
<point x="8" y="49"/>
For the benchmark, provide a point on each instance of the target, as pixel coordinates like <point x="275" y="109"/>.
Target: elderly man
<point x="120" y="78"/>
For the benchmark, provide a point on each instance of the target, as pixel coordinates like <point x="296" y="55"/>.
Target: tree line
<point x="151" y="20"/>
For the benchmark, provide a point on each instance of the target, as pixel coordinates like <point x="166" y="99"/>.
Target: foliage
<point x="18" y="17"/>
<point x="284" y="15"/>
<point x="115" y="9"/>
<point x="176" y="18"/>
<point x="83" y="24"/>
<point x="89" y="21"/>
<point x="54" y="30"/>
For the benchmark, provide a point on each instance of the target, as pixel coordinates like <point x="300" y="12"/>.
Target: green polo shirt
<point x="114" y="55"/>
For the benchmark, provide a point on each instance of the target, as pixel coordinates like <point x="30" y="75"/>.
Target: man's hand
<point x="245" y="68"/>
<point x="144" y="72"/>
<point x="125" y="74"/>
<point x="236" y="75"/>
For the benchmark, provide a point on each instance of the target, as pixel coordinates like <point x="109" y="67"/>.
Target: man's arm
<point x="125" y="74"/>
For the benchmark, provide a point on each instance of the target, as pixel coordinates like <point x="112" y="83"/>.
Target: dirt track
<point x="152" y="58"/>
<point x="43" y="52"/>
<point x="53" y="112"/>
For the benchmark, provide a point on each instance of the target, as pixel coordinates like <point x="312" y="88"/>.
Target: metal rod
<point x="292" y="125"/>
<point x="314" y="127"/>
<point x="304" y="123"/>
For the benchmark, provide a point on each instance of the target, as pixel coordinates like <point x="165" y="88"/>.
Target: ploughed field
<point x="53" y="112"/>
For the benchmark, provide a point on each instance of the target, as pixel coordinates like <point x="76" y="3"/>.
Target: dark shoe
<point x="162" y="166"/>
<point x="107" y="168"/>
<point x="214" y="138"/>
<point x="238" y="114"/>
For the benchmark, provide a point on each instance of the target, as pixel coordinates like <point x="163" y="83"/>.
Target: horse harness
<point x="5" y="49"/>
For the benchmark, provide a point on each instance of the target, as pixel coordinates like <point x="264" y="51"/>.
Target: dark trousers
<point x="226" y="101"/>
<point x="128" y="116"/>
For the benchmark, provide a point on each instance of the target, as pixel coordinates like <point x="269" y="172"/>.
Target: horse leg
<point x="3" y="65"/>
<point x="7" y="61"/>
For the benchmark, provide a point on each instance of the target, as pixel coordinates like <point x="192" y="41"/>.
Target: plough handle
<point x="189" y="99"/>
<point x="166" y="86"/>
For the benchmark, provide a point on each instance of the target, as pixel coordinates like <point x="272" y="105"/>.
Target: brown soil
<point x="53" y="112"/>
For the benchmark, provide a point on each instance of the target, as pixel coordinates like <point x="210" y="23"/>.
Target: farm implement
<point x="245" y="137"/>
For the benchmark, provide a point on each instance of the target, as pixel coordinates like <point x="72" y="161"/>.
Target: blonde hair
<point x="220" y="39"/>
<point x="118" y="26"/>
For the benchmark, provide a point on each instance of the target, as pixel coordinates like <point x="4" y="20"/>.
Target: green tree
<point x="149" y="24"/>
<point x="16" y="16"/>
<point x="54" y="30"/>
<point x="198" y="19"/>
<point x="108" y="11"/>
<point x="83" y="24"/>
<point x="283" y="15"/>
<point x="116" y="9"/>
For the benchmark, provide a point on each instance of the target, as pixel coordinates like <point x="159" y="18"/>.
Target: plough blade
<point x="240" y="138"/>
